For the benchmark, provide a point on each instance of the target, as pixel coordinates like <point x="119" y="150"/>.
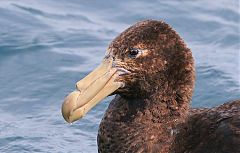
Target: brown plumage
<point x="151" y="113"/>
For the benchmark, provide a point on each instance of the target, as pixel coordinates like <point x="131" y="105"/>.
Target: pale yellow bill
<point x="103" y="68"/>
<point x="91" y="90"/>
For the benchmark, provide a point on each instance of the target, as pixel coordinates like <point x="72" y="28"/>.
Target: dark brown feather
<point x="210" y="130"/>
<point x="151" y="113"/>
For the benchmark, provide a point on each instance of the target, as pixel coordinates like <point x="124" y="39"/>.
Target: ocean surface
<point x="46" y="46"/>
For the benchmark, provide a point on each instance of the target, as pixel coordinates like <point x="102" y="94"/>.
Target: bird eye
<point x="133" y="52"/>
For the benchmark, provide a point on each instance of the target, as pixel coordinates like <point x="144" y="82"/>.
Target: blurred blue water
<point x="47" y="45"/>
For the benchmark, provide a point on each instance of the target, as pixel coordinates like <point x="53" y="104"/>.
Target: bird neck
<point x="152" y="123"/>
<point x="170" y="107"/>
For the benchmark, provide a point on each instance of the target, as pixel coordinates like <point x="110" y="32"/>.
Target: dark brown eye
<point x="133" y="52"/>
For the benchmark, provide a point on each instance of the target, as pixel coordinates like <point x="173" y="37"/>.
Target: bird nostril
<point x="113" y="64"/>
<point x="107" y="56"/>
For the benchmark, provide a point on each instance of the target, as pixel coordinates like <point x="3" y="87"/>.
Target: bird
<point x="151" y="72"/>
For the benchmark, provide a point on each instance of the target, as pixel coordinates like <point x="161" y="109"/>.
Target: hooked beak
<point x="92" y="89"/>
